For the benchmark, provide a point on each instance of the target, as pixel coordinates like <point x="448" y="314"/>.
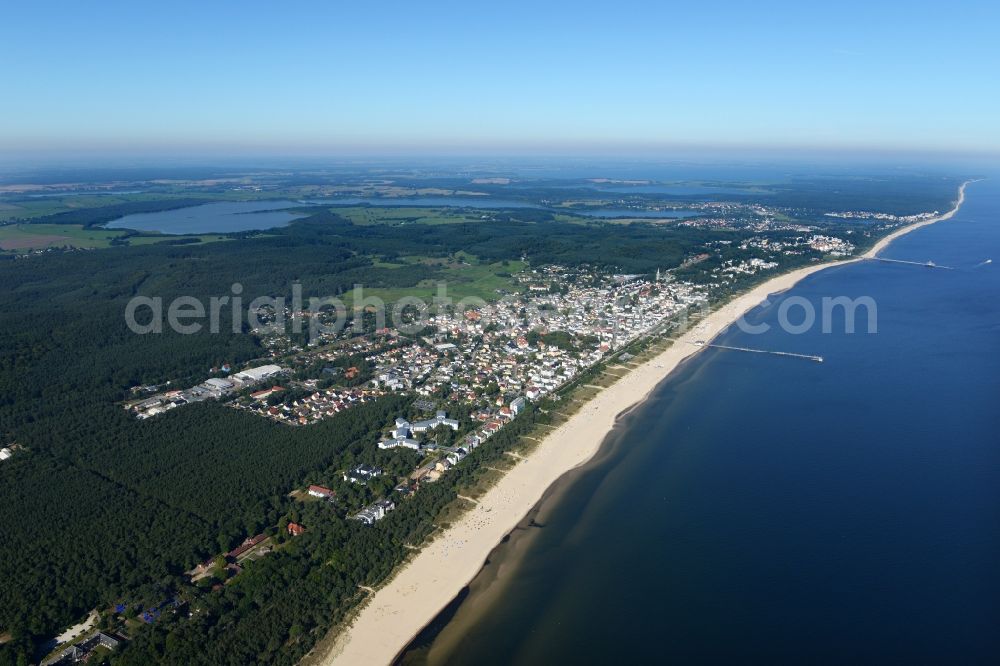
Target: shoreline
<point x="429" y="581"/>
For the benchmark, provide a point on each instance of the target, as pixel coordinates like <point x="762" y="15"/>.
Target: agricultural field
<point x="41" y="236"/>
<point x="369" y="215"/>
<point x="463" y="274"/>
<point x="19" y="206"/>
<point x="27" y="237"/>
<point x="30" y="207"/>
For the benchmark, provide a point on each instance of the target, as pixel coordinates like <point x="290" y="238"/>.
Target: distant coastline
<point x="902" y="231"/>
<point x="429" y="581"/>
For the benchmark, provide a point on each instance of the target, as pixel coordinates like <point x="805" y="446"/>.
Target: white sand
<point x="434" y="576"/>
<point x="78" y="629"/>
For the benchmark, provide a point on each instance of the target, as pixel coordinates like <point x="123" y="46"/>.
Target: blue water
<point x="628" y="212"/>
<point x="223" y="217"/>
<point x="760" y="509"/>
<point x="458" y="202"/>
<point x="680" y="190"/>
<point x="491" y="203"/>
<point x="235" y="216"/>
<point x="88" y="193"/>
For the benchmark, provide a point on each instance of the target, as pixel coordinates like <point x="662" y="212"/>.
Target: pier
<point x="926" y="264"/>
<point x="808" y="357"/>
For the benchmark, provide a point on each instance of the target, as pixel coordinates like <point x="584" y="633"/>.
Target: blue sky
<point x="337" y="77"/>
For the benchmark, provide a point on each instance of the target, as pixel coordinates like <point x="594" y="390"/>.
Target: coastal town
<point x="466" y="374"/>
<point x="487" y="363"/>
<point x="498" y="333"/>
<point x="523" y="344"/>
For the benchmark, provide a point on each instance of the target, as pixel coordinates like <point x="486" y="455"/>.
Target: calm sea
<point x="760" y="509"/>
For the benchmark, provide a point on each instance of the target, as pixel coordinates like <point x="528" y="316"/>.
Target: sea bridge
<point x="808" y="357"/>
<point x="925" y="264"/>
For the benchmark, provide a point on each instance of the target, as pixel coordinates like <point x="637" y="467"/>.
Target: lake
<point x="228" y="217"/>
<point x="676" y="213"/>
<point x="457" y="202"/>
<point x="701" y="191"/>
<point x="224" y="217"/>
<point x="490" y="203"/>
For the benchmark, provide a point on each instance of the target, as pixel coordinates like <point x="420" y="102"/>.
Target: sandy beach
<point x="430" y="580"/>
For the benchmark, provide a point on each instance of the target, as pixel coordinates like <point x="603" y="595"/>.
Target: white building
<point x="440" y="419"/>
<point x="5" y="453"/>
<point x="402" y="429"/>
<point x="218" y="385"/>
<point x="254" y="375"/>
<point x="375" y="511"/>
<point x="397" y="442"/>
<point x="362" y="473"/>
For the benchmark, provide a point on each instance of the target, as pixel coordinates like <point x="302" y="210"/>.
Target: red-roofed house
<point x="245" y="546"/>
<point x="260" y="395"/>
<point x="320" y="491"/>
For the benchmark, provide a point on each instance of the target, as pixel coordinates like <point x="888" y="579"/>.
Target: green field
<point x="368" y="215"/>
<point x="152" y="239"/>
<point x="26" y="237"/>
<point x="19" y="206"/>
<point x="41" y="236"/>
<point x="463" y="274"/>
<point x="29" y="208"/>
<point x="26" y="210"/>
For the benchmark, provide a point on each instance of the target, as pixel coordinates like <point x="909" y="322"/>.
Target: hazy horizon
<point x="21" y="167"/>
